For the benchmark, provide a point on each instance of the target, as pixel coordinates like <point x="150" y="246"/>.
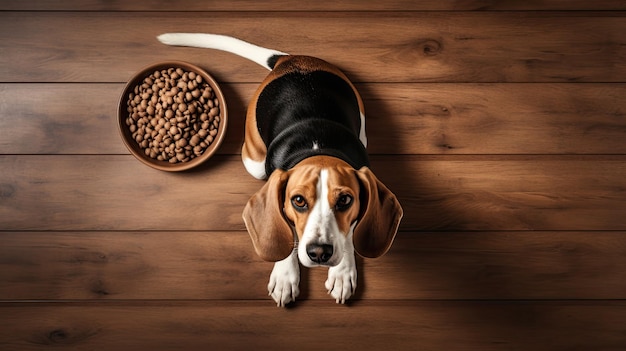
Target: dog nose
<point x="319" y="253"/>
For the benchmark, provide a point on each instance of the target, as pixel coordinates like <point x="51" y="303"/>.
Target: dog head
<point x="326" y="203"/>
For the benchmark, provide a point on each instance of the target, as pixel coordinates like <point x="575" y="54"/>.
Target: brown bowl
<point x="191" y="122"/>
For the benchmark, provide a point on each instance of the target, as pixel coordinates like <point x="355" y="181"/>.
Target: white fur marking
<point x="362" y="135"/>
<point x="316" y="146"/>
<point x="321" y="227"/>
<point x="342" y="278"/>
<point x="236" y="46"/>
<point x="284" y="280"/>
<point x="255" y="168"/>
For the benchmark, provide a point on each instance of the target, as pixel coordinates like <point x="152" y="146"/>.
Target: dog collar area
<point x="289" y="148"/>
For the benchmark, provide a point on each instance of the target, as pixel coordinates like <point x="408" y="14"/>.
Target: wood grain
<point x="119" y="193"/>
<point x="462" y="325"/>
<point x="424" y="47"/>
<point x="500" y="125"/>
<point x="414" y="118"/>
<point x="321" y="5"/>
<point x="223" y="266"/>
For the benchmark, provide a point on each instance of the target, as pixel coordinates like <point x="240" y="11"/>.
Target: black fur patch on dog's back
<point x="302" y="114"/>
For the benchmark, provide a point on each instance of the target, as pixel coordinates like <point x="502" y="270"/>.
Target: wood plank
<point x="525" y="193"/>
<point x="223" y="266"/>
<point x="424" y="47"/>
<point x="462" y="325"/>
<point x="495" y="118"/>
<point x="508" y="241"/>
<point x="321" y="5"/>
<point x="111" y="192"/>
<point x="402" y="118"/>
<point x="82" y="118"/>
<point x="446" y="193"/>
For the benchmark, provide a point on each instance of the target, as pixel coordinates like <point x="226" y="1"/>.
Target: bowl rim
<point x="138" y="152"/>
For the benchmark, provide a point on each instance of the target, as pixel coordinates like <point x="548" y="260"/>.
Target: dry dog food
<point x="173" y="115"/>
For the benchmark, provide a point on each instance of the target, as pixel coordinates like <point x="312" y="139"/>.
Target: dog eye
<point x="344" y="202"/>
<point x="299" y="203"/>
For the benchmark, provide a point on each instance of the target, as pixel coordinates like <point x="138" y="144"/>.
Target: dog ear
<point x="379" y="217"/>
<point x="270" y="232"/>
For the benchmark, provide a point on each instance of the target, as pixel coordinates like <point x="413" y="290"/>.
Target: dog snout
<point x="319" y="253"/>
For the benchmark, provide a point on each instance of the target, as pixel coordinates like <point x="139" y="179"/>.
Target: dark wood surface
<point x="501" y="126"/>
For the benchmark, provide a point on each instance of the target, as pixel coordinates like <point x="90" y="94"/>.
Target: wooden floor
<point x="501" y="126"/>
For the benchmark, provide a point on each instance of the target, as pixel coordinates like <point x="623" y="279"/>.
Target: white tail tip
<point x="236" y="46"/>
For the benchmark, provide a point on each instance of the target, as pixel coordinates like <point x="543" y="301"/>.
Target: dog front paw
<point x="283" y="289"/>
<point x="284" y="281"/>
<point x="341" y="282"/>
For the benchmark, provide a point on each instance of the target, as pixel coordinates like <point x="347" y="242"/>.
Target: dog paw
<point x="284" y="281"/>
<point x="283" y="289"/>
<point x="341" y="282"/>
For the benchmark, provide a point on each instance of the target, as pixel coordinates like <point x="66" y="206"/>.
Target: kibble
<point x="173" y="115"/>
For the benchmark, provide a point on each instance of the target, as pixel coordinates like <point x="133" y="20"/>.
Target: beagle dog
<point x="305" y="134"/>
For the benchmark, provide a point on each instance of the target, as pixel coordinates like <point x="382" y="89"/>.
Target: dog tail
<point x="263" y="56"/>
